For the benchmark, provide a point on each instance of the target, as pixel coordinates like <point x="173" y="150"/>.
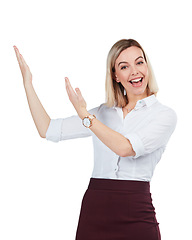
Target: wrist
<point x="27" y="84"/>
<point x="84" y="113"/>
<point x="88" y="120"/>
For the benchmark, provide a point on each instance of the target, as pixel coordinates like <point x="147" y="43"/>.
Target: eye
<point x="123" y="67"/>
<point x="141" y="62"/>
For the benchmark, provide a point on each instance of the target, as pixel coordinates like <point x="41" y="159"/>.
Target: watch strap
<point x="90" y="117"/>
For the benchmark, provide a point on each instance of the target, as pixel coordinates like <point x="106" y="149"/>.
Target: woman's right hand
<point x="25" y="71"/>
<point x="40" y="116"/>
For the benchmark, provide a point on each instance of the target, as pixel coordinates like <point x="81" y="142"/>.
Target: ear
<point x="116" y="78"/>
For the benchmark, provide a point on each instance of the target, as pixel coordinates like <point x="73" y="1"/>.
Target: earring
<point x="125" y="92"/>
<point x="116" y="78"/>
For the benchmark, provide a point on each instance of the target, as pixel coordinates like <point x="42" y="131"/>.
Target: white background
<point x="40" y="195"/>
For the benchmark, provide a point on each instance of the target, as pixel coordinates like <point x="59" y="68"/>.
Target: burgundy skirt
<point x="117" y="210"/>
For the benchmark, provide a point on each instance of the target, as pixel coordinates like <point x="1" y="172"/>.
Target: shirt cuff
<point x="54" y="130"/>
<point x="136" y="143"/>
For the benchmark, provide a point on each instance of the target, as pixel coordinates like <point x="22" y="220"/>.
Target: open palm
<point x="76" y="98"/>
<point x="25" y="71"/>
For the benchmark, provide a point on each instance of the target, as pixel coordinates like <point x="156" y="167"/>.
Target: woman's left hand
<point x="76" y="99"/>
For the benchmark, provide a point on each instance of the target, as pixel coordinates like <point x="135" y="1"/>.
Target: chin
<point x="140" y="91"/>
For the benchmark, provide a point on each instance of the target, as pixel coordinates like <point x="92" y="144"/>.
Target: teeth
<point x="136" y="80"/>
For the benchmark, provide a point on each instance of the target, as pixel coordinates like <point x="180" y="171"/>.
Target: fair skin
<point x="128" y="66"/>
<point x="39" y="115"/>
<point x="112" y="139"/>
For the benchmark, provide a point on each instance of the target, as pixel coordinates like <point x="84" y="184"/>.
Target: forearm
<point x="39" y="115"/>
<point x="112" y="139"/>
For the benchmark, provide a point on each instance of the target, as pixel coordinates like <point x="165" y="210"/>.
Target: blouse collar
<point x="148" y="101"/>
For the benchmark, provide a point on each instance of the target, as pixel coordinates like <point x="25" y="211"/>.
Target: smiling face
<point x="132" y="71"/>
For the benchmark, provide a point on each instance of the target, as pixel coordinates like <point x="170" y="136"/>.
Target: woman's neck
<point x="132" y="100"/>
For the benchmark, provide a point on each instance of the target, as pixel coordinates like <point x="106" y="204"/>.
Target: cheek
<point x="145" y="69"/>
<point x="146" y="73"/>
<point x="123" y="74"/>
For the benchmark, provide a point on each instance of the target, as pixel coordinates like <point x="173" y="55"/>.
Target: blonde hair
<point x="114" y="91"/>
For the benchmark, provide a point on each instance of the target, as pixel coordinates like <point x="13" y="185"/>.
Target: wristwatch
<point x="87" y="121"/>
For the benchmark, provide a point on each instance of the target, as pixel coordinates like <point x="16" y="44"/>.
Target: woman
<point x="130" y="132"/>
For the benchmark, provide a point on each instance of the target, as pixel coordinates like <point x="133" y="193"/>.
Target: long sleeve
<point x="148" y="128"/>
<point x="155" y="135"/>
<point x="69" y="128"/>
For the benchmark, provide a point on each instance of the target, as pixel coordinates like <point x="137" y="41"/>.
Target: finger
<point x="69" y="87"/>
<point x="78" y="90"/>
<point x="18" y="56"/>
<point x="78" y="93"/>
<point x="23" y="61"/>
<point x="17" y="53"/>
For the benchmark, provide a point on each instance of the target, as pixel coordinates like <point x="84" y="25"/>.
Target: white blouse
<point x="148" y="127"/>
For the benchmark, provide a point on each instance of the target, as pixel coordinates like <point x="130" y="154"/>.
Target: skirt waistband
<point x="119" y="185"/>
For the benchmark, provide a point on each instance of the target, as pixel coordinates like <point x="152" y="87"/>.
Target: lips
<point x="136" y="80"/>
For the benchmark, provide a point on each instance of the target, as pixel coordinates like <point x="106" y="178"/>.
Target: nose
<point x="134" y="70"/>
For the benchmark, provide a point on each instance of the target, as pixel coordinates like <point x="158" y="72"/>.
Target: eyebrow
<point x="135" y="60"/>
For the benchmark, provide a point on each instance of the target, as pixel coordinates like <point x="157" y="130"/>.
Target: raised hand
<point x="40" y="116"/>
<point x="25" y="71"/>
<point x="76" y="99"/>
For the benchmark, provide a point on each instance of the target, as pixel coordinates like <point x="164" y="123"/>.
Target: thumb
<point x="78" y="91"/>
<point x="79" y="95"/>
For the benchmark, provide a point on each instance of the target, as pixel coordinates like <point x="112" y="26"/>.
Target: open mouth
<point x="136" y="80"/>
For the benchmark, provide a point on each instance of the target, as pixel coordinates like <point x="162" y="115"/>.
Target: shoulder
<point x="165" y="113"/>
<point x="98" y="110"/>
<point x="103" y="107"/>
<point x="166" y="109"/>
<point x="103" y="112"/>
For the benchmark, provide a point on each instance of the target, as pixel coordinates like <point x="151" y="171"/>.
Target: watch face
<point x="86" y="122"/>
